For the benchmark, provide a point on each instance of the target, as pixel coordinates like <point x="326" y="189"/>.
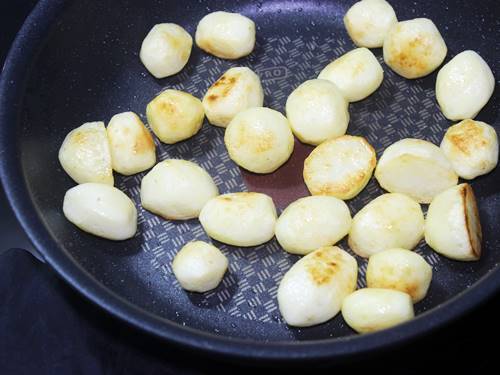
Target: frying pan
<point x="77" y="61"/>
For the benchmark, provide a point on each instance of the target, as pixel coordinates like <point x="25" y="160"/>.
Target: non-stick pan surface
<point x="77" y="61"/>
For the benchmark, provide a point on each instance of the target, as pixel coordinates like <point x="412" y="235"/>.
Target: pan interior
<point x="89" y="70"/>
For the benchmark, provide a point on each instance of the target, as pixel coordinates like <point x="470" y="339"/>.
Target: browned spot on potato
<point x="222" y="87"/>
<point x="468" y="137"/>
<point x="256" y="141"/>
<point x="472" y="223"/>
<point x="412" y="58"/>
<point x="167" y="107"/>
<point x="323" y="265"/>
<point x="80" y="137"/>
<point x="143" y="142"/>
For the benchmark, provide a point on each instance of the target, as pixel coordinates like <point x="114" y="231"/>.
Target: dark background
<point x="46" y="328"/>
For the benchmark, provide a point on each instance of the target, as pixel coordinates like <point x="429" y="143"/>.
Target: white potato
<point x="237" y="89"/>
<point x="259" y="139"/>
<point x="177" y="189"/>
<point x="312" y="222"/>
<point x="101" y="210"/>
<point x="340" y="167"/>
<point x="199" y="266"/>
<point x="464" y="85"/>
<point x="317" y="111"/>
<point x="166" y="49"/>
<point x="399" y="269"/>
<point x="389" y="221"/>
<point x="312" y="291"/>
<point x="357" y="74"/>
<point x="414" y="48"/>
<point x="452" y="226"/>
<point x="471" y="147"/>
<point x="372" y="309"/>
<point x="226" y="35"/>
<point x="175" y="116"/>
<point x="368" y="21"/>
<point x="130" y="143"/>
<point x="85" y="154"/>
<point x="415" y="167"/>
<point x="239" y="219"/>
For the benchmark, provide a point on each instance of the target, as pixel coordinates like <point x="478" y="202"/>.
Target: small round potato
<point x="415" y="167"/>
<point x="312" y="222"/>
<point x="317" y="111"/>
<point x="166" y="49"/>
<point x="357" y="74"/>
<point x="177" y="189"/>
<point x="199" y="266"/>
<point x="452" y="226"/>
<point x="101" y="210"/>
<point x="389" y="221"/>
<point x="85" y="154"/>
<point x="399" y="269"/>
<point x="175" y="116"/>
<point x="240" y="219"/>
<point x="236" y="90"/>
<point x="259" y="140"/>
<point x="131" y="145"/>
<point x="312" y="291"/>
<point x="414" y="48"/>
<point x="464" y="85"/>
<point x="226" y="35"/>
<point x="471" y="147"/>
<point x="372" y="309"/>
<point x="340" y="167"/>
<point x="368" y="21"/>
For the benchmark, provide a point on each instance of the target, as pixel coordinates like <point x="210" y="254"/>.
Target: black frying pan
<point x="77" y="61"/>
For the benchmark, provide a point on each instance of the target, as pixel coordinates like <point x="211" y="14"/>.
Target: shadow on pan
<point x="75" y="62"/>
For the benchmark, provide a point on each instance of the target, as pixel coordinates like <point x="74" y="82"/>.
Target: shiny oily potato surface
<point x="340" y="167"/>
<point x="312" y="291"/>
<point x="85" y="155"/>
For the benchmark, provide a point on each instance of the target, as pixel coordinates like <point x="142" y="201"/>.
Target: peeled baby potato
<point x="414" y="48"/>
<point x="357" y="74"/>
<point x="389" y="221"/>
<point x="368" y="21"/>
<point x="239" y="219"/>
<point x="415" y="167"/>
<point x="259" y="140"/>
<point x="399" y="269"/>
<point x="85" y="154"/>
<point x="166" y="49"/>
<point x="312" y="291"/>
<point x="464" y="85"/>
<point x="372" y="309"/>
<point x="317" y="111"/>
<point x="471" y="147"/>
<point x="101" y="210"/>
<point x="226" y="35"/>
<point x="131" y="145"/>
<point x="236" y="90"/>
<point x="175" y="116"/>
<point x="312" y="222"/>
<point x="452" y="226"/>
<point x="177" y="189"/>
<point x="199" y="266"/>
<point x="340" y="167"/>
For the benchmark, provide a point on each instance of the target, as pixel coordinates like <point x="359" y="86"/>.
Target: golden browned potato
<point x="131" y="145"/>
<point x="452" y="226"/>
<point x="414" y="48"/>
<point x="471" y="147"/>
<point x="175" y="116"/>
<point x="236" y="90"/>
<point x="312" y="291"/>
<point x="340" y="167"/>
<point x="85" y="154"/>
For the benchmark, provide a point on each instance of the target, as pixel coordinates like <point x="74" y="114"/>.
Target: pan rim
<point x="16" y="69"/>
